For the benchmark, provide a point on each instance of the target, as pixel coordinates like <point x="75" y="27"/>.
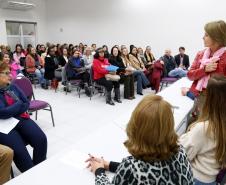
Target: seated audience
<point x="126" y="75"/>
<point x="3" y="49"/>
<point x="14" y="104"/>
<point x="169" y="62"/>
<point x="41" y="50"/>
<point x="8" y="49"/>
<point x="6" y="158"/>
<point x="51" y="64"/>
<point x="4" y="57"/>
<point x="16" y="68"/>
<point x="100" y="65"/>
<point x="88" y="57"/>
<point x="149" y="56"/>
<point x="156" y="157"/>
<point x="182" y="60"/>
<point x="139" y="75"/>
<point x="28" y="50"/>
<point x="63" y="60"/>
<point x="140" y="70"/>
<point x="170" y="67"/>
<point x="149" y="60"/>
<point x="140" y="54"/>
<point x="75" y="69"/>
<point x="94" y="47"/>
<point x="156" y="74"/>
<point x="205" y="141"/>
<point x="70" y="50"/>
<point x="106" y="52"/>
<point x="136" y="61"/>
<point x="34" y="66"/>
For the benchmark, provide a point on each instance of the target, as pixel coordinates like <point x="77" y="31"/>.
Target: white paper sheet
<point x="6" y="125"/>
<point x="75" y="159"/>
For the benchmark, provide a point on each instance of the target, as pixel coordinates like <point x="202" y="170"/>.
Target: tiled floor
<point x="76" y="118"/>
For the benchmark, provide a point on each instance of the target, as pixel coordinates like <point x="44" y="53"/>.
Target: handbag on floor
<point x="111" y="77"/>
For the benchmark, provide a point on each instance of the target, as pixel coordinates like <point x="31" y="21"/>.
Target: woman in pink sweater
<point x="15" y="67"/>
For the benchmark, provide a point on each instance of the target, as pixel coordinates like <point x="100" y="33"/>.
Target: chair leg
<point x="36" y="115"/>
<point x="91" y="92"/>
<point x="67" y="87"/>
<point x="51" y="111"/>
<point x="161" y="86"/>
<point x="34" y="82"/>
<point x="79" y="90"/>
<point x="223" y="180"/>
<point x="11" y="171"/>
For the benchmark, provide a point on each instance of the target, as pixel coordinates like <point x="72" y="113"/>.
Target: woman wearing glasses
<point x="13" y="104"/>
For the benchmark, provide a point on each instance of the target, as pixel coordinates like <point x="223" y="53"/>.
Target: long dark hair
<point x="18" y="45"/>
<point x="96" y="55"/>
<point x="131" y="49"/>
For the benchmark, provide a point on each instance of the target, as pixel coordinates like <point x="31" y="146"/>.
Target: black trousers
<point x="128" y="81"/>
<point x="85" y="77"/>
<point x="26" y="132"/>
<point x="108" y="84"/>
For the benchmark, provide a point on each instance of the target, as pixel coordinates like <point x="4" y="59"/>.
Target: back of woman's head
<point x="150" y="131"/>
<point x="214" y="111"/>
<point x="217" y="31"/>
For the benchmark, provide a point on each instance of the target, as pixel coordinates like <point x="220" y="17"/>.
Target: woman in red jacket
<point x="156" y="75"/>
<point x="210" y="61"/>
<point x="99" y="69"/>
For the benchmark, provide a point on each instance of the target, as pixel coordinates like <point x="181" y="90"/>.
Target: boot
<point x="108" y="98"/>
<point x="87" y="90"/>
<point x="117" y="95"/>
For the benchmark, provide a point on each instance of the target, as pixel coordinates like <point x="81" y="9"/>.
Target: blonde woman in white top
<point x="205" y="142"/>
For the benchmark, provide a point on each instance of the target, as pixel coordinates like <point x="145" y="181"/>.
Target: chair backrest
<point x="221" y="177"/>
<point x="25" y="85"/>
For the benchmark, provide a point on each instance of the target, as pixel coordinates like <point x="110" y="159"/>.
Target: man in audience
<point x="169" y="62"/>
<point x="182" y="59"/>
<point x="6" y="157"/>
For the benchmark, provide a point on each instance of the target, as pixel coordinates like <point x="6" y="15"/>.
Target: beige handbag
<point x="111" y="77"/>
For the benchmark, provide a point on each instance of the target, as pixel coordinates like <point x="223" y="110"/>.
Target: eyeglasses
<point x="5" y="73"/>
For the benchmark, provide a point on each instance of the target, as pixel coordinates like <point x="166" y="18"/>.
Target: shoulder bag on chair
<point x="111" y="77"/>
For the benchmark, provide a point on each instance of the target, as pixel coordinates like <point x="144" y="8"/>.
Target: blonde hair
<point x="217" y="31"/>
<point x="150" y="131"/>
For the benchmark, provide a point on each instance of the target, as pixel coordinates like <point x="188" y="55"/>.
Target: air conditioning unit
<point x="16" y="5"/>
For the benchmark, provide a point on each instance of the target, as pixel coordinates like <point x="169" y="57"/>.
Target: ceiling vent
<point x="16" y="5"/>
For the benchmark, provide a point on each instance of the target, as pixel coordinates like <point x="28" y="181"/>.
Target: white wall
<point x="159" y="23"/>
<point x="37" y="15"/>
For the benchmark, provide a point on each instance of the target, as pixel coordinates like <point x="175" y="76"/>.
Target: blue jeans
<point x="141" y="80"/>
<point x="40" y="75"/>
<point x="197" y="182"/>
<point x="26" y="132"/>
<point x="190" y="95"/>
<point x="177" y="72"/>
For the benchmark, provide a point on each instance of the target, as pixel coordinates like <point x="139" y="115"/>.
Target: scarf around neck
<point x="206" y="59"/>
